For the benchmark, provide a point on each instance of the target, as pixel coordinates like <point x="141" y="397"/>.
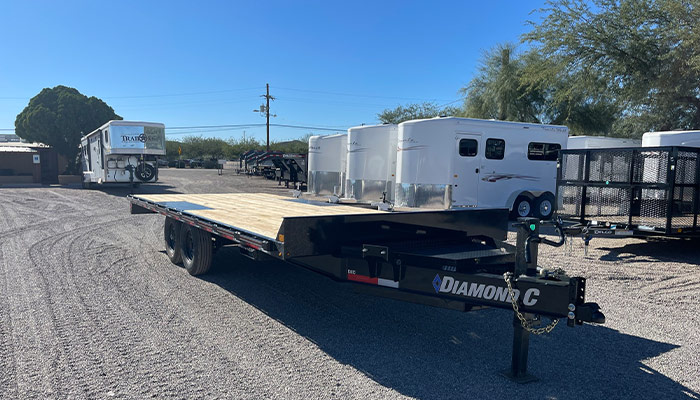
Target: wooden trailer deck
<point x="259" y="213"/>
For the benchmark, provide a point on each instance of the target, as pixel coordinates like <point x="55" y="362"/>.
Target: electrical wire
<point x="356" y="95"/>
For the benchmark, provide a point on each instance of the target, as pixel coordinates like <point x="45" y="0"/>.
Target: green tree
<point x="59" y="117"/>
<point x="415" y="111"/>
<point x="497" y="91"/>
<point x="201" y="147"/>
<point x="503" y="90"/>
<point x="641" y="56"/>
<point x="171" y="149"/>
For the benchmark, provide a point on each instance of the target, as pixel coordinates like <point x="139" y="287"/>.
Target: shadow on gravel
<point x="669" y="250"/>
<point x="432" y="353"/>
<point x="121" y="190"/>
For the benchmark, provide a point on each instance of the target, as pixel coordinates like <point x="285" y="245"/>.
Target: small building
<point x="29" y="163"/>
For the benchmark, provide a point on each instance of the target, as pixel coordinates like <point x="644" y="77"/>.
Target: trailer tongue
<point x="450" y="258"/>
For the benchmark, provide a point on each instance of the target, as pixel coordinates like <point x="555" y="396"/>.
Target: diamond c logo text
<point x="448" y="284"/>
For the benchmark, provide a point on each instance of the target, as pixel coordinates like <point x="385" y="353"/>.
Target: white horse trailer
<point x="122" y="152"/>
<point x="327" y="155"/>
<point x="600" y="142"/>
<point x="371" y="165"/>
<point x="472" y="163"/>
<point x="671" y="138"/>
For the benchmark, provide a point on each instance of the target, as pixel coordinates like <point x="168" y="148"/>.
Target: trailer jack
<point x="524" y="323"/>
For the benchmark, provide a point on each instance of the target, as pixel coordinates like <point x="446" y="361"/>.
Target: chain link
<point x="527" y="325"/>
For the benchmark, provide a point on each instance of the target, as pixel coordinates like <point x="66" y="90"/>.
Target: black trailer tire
<point x="195" y="249"/>
<point x="544" y="206"/>
<point x="522" y="207"/>
<point x="171" y="233"/>
<point x="145" y="172"/>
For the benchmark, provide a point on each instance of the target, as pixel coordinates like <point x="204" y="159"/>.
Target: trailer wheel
<point x="544" y="206"/>
<point x="172" y="240"/>
<point x="521" y="207"/>
<point x="195" y="249"/>
<point x="145" y="172"/>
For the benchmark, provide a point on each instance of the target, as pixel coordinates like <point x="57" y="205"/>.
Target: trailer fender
<point x="510" y="203"/>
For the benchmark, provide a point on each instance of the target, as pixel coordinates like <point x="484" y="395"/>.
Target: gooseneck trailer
<point x="122" y="152"/>
<point x="455" y="259"/>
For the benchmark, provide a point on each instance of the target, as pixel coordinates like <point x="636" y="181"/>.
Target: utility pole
<point x="265" y="108"/>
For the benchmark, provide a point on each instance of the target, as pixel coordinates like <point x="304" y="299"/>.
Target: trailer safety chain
<point x="527" y="325"/>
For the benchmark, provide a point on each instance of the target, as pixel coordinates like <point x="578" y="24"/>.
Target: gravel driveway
<point x="90" y="307"/>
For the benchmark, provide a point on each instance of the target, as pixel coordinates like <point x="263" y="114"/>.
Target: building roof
<point x="16" y="149"/>
<point x="22" y="144"/>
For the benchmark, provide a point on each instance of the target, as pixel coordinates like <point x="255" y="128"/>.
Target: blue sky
<point x="192" y="63"/>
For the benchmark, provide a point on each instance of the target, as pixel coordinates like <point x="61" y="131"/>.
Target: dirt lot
<point x="90" y="307"/>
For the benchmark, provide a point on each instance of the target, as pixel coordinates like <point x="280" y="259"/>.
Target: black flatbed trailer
<point x="629" y="192"/>
<point x="454" y="259"/>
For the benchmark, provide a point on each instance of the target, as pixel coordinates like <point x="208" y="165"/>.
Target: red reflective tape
<point x="363" y="279"/>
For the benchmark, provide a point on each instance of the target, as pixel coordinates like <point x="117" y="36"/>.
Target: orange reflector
<point x="280" y="237"/>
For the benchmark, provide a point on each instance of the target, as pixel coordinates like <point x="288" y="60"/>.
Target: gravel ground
<point x="90" y="307"/>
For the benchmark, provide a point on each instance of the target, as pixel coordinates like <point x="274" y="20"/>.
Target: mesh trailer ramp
<point x="454" y="259"/>
<point x="629" y="192"/>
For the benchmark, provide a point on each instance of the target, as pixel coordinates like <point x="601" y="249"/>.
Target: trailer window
<point x="495" y="149"/>
<point x="543" y="151"/>
<point x="467" y="147"/>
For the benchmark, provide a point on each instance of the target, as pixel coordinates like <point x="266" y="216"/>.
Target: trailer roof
<point x="558" y="128"/>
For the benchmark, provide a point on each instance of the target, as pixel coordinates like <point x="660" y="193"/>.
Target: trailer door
<point x="466" y="161"/>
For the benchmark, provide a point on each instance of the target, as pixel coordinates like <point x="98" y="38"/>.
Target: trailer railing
<point x="641" y="191"/>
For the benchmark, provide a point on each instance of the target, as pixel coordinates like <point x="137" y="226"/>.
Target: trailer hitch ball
<point x="571" y="315"/>
<point x="572" y="307"/>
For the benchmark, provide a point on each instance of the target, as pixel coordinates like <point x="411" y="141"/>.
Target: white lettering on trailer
<point x="528" y="298"/>
<point x="476" y="290"/>
<point x="448" y="284"/>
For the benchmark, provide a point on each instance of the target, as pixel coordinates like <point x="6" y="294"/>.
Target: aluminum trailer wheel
<point x="544" y="205"/>
<point x="195" y="249"/>
<point x="521" y="208"/>
<point x="171" y="233"/>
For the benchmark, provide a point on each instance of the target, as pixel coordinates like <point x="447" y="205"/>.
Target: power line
<point x="358" y="95"/>
<point x="154" y="95"/>
<point x="314" y="128"/>
<point x="452" y="102"/>
<point x="180" y="94"/>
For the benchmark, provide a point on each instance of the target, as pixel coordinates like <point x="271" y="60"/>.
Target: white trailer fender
<point x="530" y="194"/>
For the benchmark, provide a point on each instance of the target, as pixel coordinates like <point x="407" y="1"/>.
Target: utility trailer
<point x="454" y="259"/>
<point x="291" y="168"/>
<point x="629" y="192"/>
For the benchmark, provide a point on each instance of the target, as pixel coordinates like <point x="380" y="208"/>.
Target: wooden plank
<point x="259" y="213"/>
